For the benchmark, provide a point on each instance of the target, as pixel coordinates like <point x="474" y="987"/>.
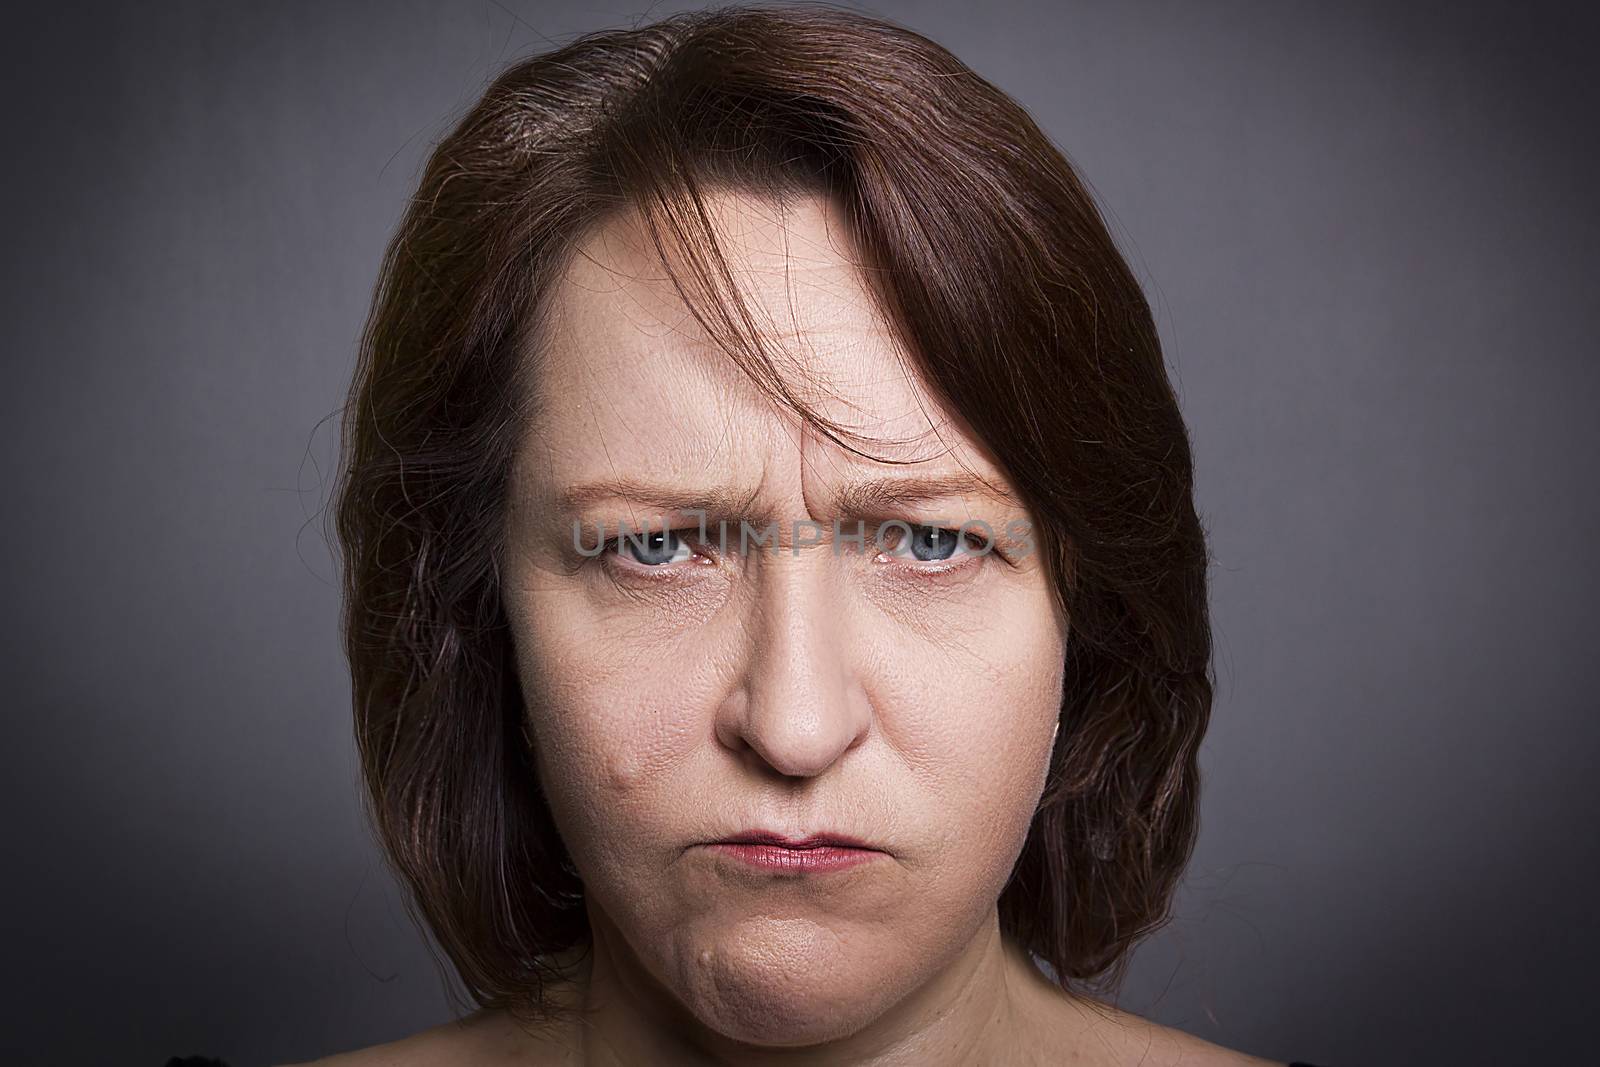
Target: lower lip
<point x="796" y="860"/>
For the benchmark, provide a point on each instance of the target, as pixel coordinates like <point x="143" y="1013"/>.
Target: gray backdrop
<point x="1369" y="237"/>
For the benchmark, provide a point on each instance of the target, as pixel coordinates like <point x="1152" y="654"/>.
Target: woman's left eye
<point x="929" y="544"/>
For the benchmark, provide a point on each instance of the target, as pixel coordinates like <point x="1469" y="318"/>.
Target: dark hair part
<point x="984" y="250"/>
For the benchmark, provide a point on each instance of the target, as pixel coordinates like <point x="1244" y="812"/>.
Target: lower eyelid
<point x="935" y="568"/>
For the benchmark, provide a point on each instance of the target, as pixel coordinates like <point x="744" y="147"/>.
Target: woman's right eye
<point x="656" y="548"/>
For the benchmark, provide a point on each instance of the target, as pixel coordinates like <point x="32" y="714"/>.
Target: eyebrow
<point x="872" y="498"/>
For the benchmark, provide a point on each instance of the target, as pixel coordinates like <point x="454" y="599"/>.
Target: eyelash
<point x="610" y="550"/>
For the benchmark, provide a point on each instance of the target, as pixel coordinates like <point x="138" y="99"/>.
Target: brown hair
<point x="987" y="254"/>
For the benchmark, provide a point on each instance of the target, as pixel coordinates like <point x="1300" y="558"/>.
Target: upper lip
<point x="770" y="837"/>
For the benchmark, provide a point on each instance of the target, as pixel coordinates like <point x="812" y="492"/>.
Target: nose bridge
<point x="802" y="706"/>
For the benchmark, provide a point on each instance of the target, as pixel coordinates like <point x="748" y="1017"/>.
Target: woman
<point x="775" y="601"/>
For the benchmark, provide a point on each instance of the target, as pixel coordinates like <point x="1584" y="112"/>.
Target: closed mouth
<point x="812" y="841"/>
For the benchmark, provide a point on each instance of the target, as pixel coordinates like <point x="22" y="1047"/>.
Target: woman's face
<point x="894" y="690"/>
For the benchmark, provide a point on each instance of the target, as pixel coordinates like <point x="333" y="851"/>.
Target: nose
<point x="800" y="704"/>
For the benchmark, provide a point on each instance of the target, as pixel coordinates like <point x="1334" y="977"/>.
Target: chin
<point x="788" y="981"/>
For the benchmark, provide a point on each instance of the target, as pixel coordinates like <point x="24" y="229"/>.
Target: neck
<point x="976" y="1009"/>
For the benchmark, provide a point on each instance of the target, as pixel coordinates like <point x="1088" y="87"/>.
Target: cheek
<point x="973" y="710"/>
<point x="616" y="710"/>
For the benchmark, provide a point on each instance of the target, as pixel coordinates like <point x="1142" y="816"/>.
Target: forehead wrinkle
<point x="884" y="389"/>
<point x="685" y="336"/>
<point x="832" y="276"/>
<point x="687" y="348"/>
<point x="833" y="315"/>
<point x="587" y="400"/>
<point x="599" y="434"/>
<point x="856" y="490"/>
<point x="651" y="292"/>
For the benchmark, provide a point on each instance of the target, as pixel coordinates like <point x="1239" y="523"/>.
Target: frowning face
<point x="897" y="691"/>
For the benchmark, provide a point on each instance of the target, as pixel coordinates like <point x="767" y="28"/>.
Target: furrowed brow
<point x="877" y="498"/>
<point x="713" y="500"/>
<point x="881" y="497"/>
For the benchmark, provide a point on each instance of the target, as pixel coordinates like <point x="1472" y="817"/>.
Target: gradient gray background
<point x="1369" y="236"/>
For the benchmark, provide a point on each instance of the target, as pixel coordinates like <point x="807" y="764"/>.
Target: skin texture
<point x="907" y="702"/>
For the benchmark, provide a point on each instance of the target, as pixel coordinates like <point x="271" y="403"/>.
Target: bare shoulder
<point x="488" y="1038"/>
<point x="1124" y="1037"/>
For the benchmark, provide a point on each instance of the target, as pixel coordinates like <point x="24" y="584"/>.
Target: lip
<point x="814" y="854"/>
<point x="771" y="837"/>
